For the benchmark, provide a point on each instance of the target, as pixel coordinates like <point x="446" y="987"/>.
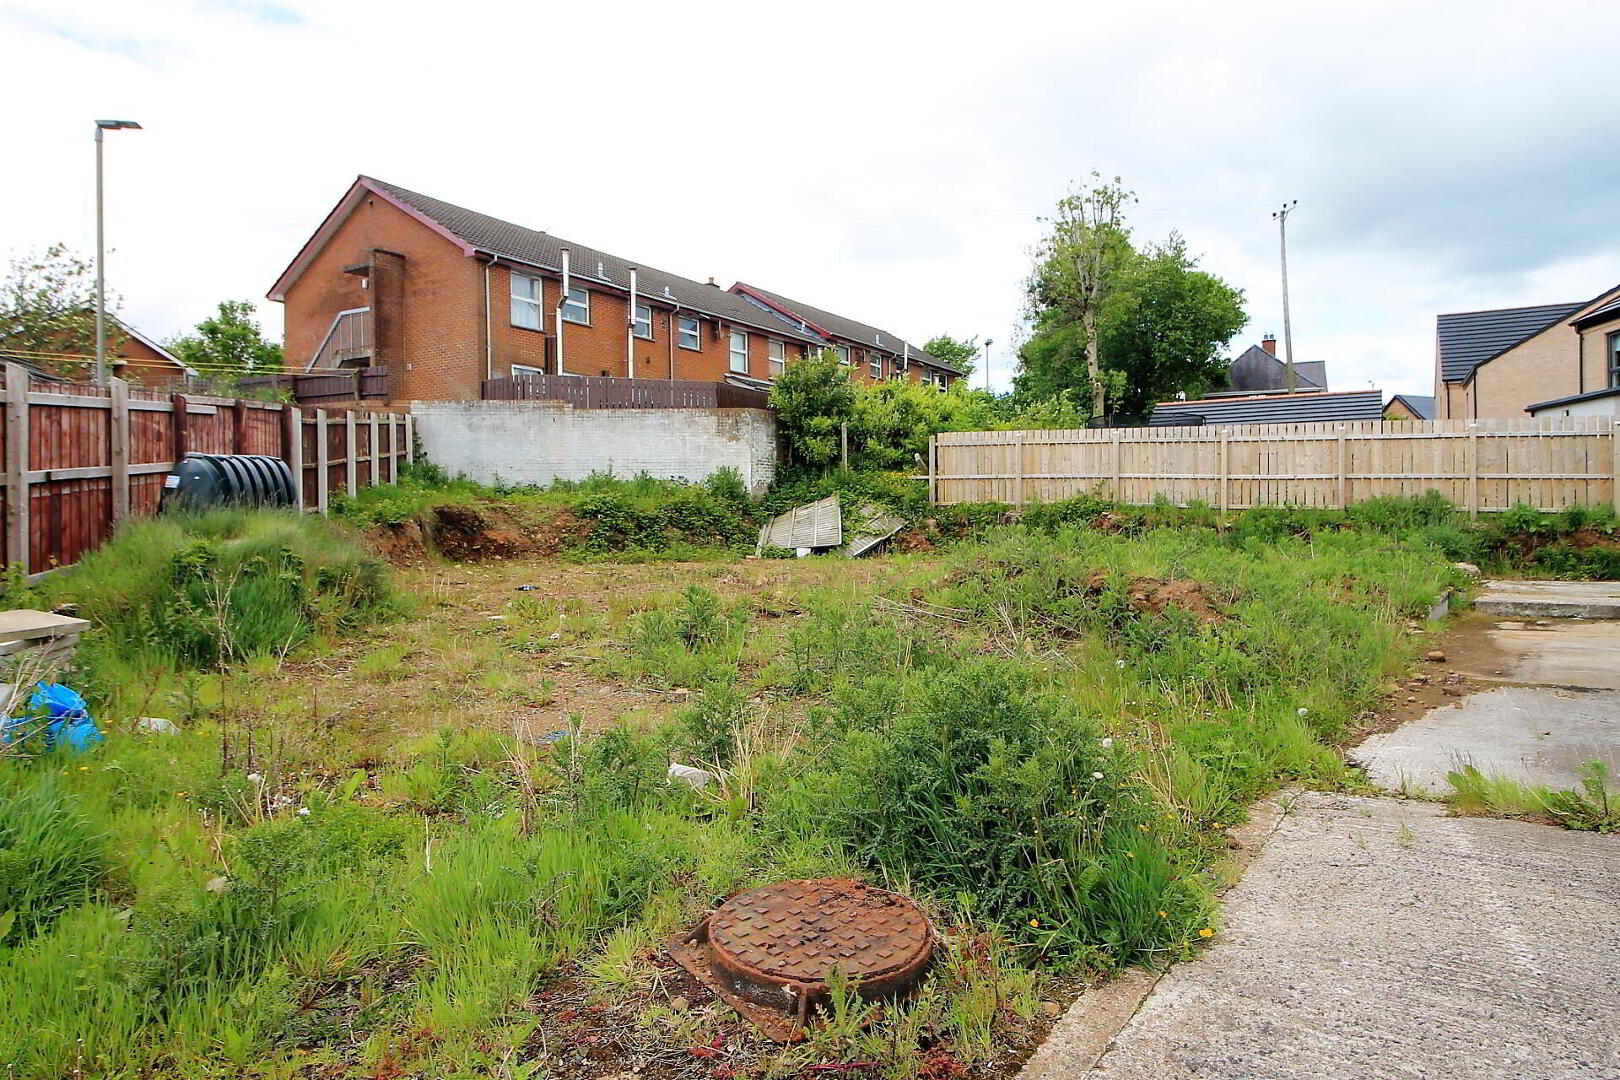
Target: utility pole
<point x="1281" y="217"/>
<point x="101" y="252"/>
<point x="987" y="343"/>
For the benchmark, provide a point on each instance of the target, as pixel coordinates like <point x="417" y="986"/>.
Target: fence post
<point x="118" y="440"/>
<point x="410" y="438"/>
<point x="1614" y="460"/>
<point x="239" y="422"/>
<point x="351" y="461"/>
<point x="393" y="448"/>
<point x="323" y="464"/>
<point x="1225" y="462"/>
<point x="1018" y="450"/>
<point x="933" y="479"/>
<point x="1344" y="474"/>
<point x="293" y="422"/>
<point x="1115" y="451"/>
<point x="375" y="446"/>
<point x="1473" y="469"/>
<point x="17" y="466"/>
<point x="180" y="429"/>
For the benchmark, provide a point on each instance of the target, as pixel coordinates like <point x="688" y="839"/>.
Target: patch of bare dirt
<point x="469" y="532"/>
<point x="1149" y="595"/>
<point x="1437" y="679"/>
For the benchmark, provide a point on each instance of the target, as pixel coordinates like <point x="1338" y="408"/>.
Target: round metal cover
<point x="780" y="943"/>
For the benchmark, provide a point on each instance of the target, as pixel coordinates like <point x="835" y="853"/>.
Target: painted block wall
<point x="536" y="442"/>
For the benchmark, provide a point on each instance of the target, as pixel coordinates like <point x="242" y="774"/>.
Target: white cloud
<point x="887" y="161"/>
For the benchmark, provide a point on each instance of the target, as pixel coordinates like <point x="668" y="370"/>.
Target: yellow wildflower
<point x="1035" y="922"/>
<point x="1206" y="932"/>
<point x="1130" y="854"/>
<point x="1164" y="914"/>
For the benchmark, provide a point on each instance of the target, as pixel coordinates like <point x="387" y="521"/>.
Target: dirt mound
<point x="1153" y="595"/>
<point x="466" y="532"/>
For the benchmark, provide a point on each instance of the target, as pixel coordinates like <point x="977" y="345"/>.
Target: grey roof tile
<point x="849" y="329"/>
<point x="1468" y="339"/>
<point x="544" y="250"/>
<point x="1275" y="409"/>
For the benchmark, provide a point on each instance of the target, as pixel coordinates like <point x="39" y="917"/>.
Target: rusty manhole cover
<point x="770" y="951"/>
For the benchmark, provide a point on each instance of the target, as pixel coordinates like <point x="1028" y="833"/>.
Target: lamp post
<point x="101" y="253"/>
<point x="987" y="343"/>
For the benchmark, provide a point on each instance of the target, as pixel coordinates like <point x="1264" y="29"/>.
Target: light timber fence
<point x="1480" y="465"/>
<point x="79" y="459"/>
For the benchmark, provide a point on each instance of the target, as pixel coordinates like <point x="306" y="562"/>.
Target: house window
<point x="520" y="370"/>
<point x="643" y="321"/>
<point x="739" y="351"/>
<point x="577" y="308"/>
<point x="687" y="333"/>
<point x="876" y="362"/>
<point x="778" y="358"/>
<point x="526" y="297"/>
<point x="843" y="353"/>
<point x="1614" y="359"/>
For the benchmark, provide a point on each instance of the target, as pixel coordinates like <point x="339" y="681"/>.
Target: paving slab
<point x="1535" y="735"/>
<point x="1376" y="937"/>
<point x="1554" y="652"/>
<point x="1550" y="599"/>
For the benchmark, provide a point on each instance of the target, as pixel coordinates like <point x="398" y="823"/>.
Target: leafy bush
<point x="50" y="854"/>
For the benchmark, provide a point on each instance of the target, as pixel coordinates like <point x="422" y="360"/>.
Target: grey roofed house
<point x="838" y="326"/>
<point x="1420" y="405"/>
<point x="1467" y="339"/>
<point x="1313" y="408"/>
<point x="1257" y="370"/>
<point x="542" y="249"/>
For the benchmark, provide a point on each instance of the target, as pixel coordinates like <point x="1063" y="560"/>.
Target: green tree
<point x="894" y="419"/>
<point x="958" y="352"/>
<point x="1115" y="324"/>
<point x="1165" y="328"/>
<point x="48" y="305"/>
<point x="1078" y="267"/>
<point x="813" y="398"/>
<point x="228" y="343"/>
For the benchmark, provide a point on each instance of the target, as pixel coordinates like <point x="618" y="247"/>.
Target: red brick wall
<point x="151" y="368"/>
<point x="433" y="344"/>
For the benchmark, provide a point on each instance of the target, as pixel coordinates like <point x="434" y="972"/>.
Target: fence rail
<point x="1481" y="465"/>
<point x="608" y="392"/>
<point x="326" y="388"/>
<point x="78" y="459"/>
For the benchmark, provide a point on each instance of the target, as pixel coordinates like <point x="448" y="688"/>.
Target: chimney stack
<point x="1269" y="343"/>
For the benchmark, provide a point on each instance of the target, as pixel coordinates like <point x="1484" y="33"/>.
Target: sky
<point x="887" y="161"/>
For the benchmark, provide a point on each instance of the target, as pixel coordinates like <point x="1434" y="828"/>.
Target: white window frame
<point x="570" y="304"/>
<point x="731" y="352"/>
<point x="696" y="332"/>
<point x="638" y="323"/>
<point x="842" y="352"/>
<point x="874" y="362"/>
<point x="777" y="353"/>
<point x="520" y="370"/>
<point x="534" y="305"/>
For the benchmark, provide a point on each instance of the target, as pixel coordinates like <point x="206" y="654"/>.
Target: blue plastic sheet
<point x="65" y="715"/>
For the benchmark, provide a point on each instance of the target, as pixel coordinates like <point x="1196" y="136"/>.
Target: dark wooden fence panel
<point x="326" y="388"/>
<point x="78" y="459"/>
<point x="607" y="392"/>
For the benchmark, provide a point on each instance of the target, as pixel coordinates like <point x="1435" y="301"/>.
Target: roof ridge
<point x="1522" y="307"/>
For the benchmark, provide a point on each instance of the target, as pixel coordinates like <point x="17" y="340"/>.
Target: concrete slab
<point x="1536" y="735"/>
<point x="1379" y="938"/>
<point x="1550" y="599"/>
<point x="1572" y="652"/>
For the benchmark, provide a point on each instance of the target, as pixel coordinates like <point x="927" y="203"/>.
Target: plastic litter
<point x="696" y="779"/>
<point x="527" y="588"/>
<point x="158" y="725"/>
<point x="66" y="717"/>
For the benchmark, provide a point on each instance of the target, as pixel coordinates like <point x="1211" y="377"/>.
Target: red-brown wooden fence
<point x="78" y="459"/>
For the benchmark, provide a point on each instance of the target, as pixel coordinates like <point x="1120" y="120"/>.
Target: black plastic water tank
<point x="203" y="480"/>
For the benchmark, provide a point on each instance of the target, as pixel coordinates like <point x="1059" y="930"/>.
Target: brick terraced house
<point x="1497" y="364"/>
<point x="444" y="298"/>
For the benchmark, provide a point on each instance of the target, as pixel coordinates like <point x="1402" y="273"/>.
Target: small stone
<point x="1435" y="656"/>
<point x="1467" y="568"/>
<point x="1411" y="701"/>
<point x="679" y="1004"/>
<point x="1451" y="691"/>
<point x="1051" y="1008"/>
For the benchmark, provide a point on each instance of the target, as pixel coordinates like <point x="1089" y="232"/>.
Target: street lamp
<point x="987" y="343"/>
<point x="101" y="253"/>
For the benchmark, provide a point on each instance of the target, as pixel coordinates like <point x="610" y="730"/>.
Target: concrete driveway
<point x="1378" y="937"/>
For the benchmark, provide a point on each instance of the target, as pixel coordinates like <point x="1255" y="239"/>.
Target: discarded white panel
<point x="695" y="779"/>
<point x="815" y="526"/>
<point x="876" y="527"/>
